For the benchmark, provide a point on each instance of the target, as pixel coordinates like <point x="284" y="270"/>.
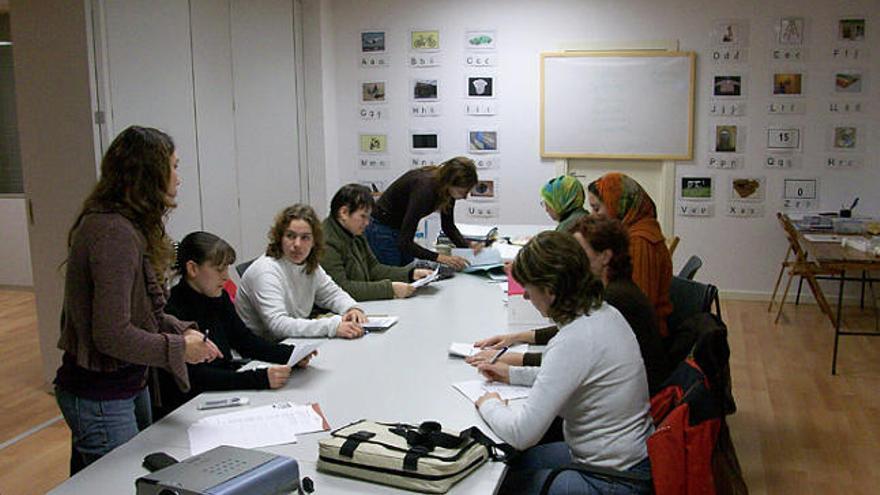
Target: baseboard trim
<point x="23" y="288"/>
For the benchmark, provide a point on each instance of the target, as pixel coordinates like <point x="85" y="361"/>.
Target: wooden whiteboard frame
<point x="685" y="154"/>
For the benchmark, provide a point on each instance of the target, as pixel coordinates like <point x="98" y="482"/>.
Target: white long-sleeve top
<point x="276" y="296"/>
<point x="592" y="375"/>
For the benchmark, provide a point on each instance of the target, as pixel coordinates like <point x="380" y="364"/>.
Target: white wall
<point x="741" y="256"/>
<point x="15" y="256"/>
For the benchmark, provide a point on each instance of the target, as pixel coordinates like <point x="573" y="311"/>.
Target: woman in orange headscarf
<point x="619" y="196"/>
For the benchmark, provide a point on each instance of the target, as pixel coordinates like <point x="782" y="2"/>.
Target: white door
<point x="220" y="77"/>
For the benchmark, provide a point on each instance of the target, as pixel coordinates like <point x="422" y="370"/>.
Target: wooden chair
<point x="802" y="267"/>
<point x="671" y="244"/>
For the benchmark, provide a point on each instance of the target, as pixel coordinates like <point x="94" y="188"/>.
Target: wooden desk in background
<point x="833" y="256"/>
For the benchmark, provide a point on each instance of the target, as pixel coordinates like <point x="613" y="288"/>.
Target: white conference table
<point x="401" y="375"/>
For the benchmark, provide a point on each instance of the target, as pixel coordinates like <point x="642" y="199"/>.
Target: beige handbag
<point x="422" y="458"/>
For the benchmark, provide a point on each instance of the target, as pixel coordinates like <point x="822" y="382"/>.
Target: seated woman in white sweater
<point x="279" y="289"/>
<point x="591" y="375"/>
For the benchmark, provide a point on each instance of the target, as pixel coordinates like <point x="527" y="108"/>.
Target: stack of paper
<point x="274" y="424"/>
<point x="474" y="389"/>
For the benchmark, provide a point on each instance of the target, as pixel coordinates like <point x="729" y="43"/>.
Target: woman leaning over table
<point x="619" y="196"/>
<point x="113" y="326"/>
<point x="280" y="288"/>
<point x="413" y="196"/>
<point x="591" y="375"/>
<point x="348" y="258"/>
<point x="563" y="199"/>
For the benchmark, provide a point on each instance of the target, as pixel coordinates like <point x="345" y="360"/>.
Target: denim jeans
<point x="99" y="426"/>
<point x="383" y="241"/>
<point x="526" y="475"/>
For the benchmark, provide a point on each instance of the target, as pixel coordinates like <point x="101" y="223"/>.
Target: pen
<point x="498" y="355"/>
<point x="854" y="203"/>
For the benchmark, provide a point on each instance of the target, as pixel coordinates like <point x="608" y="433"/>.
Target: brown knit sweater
<point x="113" y="305"/>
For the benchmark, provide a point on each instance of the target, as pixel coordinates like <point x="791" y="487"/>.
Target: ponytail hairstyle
<point x="455" y="172"/>
<point x="135" y="175"/>
<point x="554" y="261"/>
<point x="200" y="247"/>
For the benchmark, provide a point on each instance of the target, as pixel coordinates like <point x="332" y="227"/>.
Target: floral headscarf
<point x="624" y="198"/>
<point x="563" y="194"/>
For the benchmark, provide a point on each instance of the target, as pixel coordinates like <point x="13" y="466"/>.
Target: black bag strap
<point x="611" y="474"/>
<point x="353" y="441"/>
<point x="497" y="451"/>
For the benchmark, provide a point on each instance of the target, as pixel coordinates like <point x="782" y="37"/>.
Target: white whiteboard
<point x="623" y="105"/>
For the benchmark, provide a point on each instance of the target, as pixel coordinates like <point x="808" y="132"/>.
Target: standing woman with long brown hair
<point x="413" y="196"/>
<point x="113" y="327"/>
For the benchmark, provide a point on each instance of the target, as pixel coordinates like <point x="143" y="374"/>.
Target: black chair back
<point x="690" y="268"/>
<point x="242" y="267"/>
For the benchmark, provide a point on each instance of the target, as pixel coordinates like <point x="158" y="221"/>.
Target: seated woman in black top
<point x="203" y="260"/>
<point x="413" y="196"/>
<point x="606" y="245"/>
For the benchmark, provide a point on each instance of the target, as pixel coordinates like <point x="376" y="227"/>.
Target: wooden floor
<point x="798" y="430"/>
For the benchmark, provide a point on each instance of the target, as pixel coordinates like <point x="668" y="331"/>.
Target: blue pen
<point x="498" y="355"/>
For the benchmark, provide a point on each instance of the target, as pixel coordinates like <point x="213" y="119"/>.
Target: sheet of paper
<point x="263" y="426"/>
<point x="474" y="389"/>
<point x="302" y="349"/>
<point x="488" y="256"/>
<point x="465" y="349"/>
<point x="427" y="280"/>
<point x="507" y="251"/>
<point x="379" y="322"/>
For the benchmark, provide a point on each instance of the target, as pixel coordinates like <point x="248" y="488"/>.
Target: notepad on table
<point x="474" y="389"/>
<point x="379" y="323"/>
<point x="464" y="349"/>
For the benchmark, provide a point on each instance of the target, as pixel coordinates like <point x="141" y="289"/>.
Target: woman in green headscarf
<point x="563" y="198"/>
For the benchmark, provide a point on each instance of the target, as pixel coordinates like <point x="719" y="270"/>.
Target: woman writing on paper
<point x="348" y="258"/>
<point x="592" y="376"/>
<point x="619" y="196"/>
<point x="605" y="243"/>
<point x="563" y="199"/>
<point x="413" y="196"/>
<point x="280" y="288"/>
<point x="203" y="260"/>
<point x="113" y="326"/>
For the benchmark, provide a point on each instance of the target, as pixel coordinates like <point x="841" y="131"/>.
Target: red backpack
<point x="687" y="421"/>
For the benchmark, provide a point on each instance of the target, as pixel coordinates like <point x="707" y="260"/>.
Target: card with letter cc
<point x="219" y="403"/>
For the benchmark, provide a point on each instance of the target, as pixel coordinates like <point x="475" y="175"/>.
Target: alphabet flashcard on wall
<point x="480" y="87"/>
<point x="790" y="31"/>
<point x="373" y="52"/>
<point x="800" y="194"/>
<point x="788" y="84"/>
<point x="851" y="29"/>
<point x="849" y="82"/>
<point x="727" y="138"/>
<point x="424" y="141"/>
<point x="747" y="189"/>
<point x="425" y="93"/>
<point x="783" y="139"/>
<point x="696" y="188"/>
<point x="373" y="92"/>
<point x="373" y="143"/>
<point x="730" y="39"/>
<point x="482" y="141"/>
<point x="425" y="48"/>
<point x="485" y="190"/>
<point x="481" y="39"/>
